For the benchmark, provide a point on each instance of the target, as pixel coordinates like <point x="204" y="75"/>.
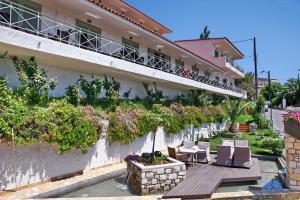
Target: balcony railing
<point x="228" y="60"/>
<point x="27" y="20"/>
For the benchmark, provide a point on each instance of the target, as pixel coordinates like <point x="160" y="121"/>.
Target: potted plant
<point x="292" y="124"/>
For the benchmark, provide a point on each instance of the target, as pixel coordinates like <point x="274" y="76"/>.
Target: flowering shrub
<point x="292" y="116"/>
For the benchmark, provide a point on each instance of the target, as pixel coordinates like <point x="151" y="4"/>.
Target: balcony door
<point x="90" y="36"/>
<point x="24" y="15"/>
<point x="159" y="60"/>
<point x="130" y="50"/>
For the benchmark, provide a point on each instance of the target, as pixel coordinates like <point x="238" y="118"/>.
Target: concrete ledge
<point x="81" y="184"/>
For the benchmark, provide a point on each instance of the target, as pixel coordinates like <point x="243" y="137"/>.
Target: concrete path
<point x="277" y="119"/>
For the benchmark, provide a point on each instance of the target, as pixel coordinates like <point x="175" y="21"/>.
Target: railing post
<point x="38" y="24"/>
<point x="61" y="25"/>
<point x="96" y="43"/>
<point x="79" y="38"/>
<point x="10" y="14"/>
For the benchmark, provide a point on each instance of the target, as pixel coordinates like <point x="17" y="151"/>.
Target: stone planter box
<point x="292" y="130"/>
<point x="145" y="180"/>
<point x="292" y="127"/>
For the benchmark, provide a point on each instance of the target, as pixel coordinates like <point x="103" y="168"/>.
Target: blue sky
<point x="274" y="23"/>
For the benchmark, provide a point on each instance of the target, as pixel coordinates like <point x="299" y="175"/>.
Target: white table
<point x="192" y="151"/>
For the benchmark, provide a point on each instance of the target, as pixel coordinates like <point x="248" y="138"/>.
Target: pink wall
<point x="204" y="49"/>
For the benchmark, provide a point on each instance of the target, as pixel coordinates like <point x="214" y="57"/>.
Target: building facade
<point x="111" y="38"/>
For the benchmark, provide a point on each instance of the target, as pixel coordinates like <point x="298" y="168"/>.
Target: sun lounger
<point x="242" y="157"/>
<point x="224" y="155"/>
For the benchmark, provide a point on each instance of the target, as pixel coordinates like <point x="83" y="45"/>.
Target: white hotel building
<point x="111" y="38"/>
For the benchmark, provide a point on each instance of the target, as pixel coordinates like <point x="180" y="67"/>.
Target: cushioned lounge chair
<point x="173" y="153"/>
<point x="224" y="155"/>
<point x="241" y="143"/>
<point x="204" y="155"/>
<point x="188" y="144"/>
<point x="242" y="157"/>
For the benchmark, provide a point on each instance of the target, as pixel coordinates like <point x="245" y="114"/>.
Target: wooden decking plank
<point x="202" y="180"/>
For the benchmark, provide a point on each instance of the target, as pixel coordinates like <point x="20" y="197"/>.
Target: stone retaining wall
<point x="293" y="162"/>
<point x="155" y="179"/>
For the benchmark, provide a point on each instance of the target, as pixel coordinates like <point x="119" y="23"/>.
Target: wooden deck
<point x="204" y="179"/>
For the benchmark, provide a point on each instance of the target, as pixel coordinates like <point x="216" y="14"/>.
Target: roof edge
<point x="221" y="38"/>
<point x="170" y="31"/>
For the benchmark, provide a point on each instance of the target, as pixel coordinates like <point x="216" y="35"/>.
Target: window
<point x="24" y="18"/>
<point x="159" y="60"/>
<point x="87" y="37"/>
<point x="195" y="68"/>
<point x="217" y="54"/>
<point x="130" y="49"/>
<point x="217" y="78"/>
<point x="225" y="81"/>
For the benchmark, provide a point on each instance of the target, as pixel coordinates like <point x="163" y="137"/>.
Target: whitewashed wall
<point x="69" y="77"/>
<point x="36" y="162"/>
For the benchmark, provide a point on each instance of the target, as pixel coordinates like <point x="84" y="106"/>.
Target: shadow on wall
<point x="36" y="162"/>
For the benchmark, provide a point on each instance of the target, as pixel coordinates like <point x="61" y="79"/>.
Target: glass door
<point x="87" y="38"/>
<point x="25" y="15"/>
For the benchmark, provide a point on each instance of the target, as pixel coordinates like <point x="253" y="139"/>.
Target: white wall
<point x="69" y="77"/>
<point x="22" y="165"/>
<point x="36" y="162"/>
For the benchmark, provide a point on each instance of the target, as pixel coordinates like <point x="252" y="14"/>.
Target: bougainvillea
<point x="292" y="116"/>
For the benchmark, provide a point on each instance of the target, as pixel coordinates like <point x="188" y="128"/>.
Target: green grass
<point x="253" y="143"/>
<point x="244" y="119"/>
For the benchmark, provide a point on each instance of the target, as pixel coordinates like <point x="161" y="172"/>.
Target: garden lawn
<point x="253" y="143"/>
<point x="244" y="119"/>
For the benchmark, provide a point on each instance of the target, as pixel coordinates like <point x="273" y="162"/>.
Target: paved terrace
<point x="202" y="180"/>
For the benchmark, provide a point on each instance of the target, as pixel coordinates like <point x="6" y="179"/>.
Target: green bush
<point x="112" y="93"/>
<point x="60" y="123"/>
<point x="154" y="95"/>
<point x="91" y="88"/>
<point x="35" y="85"/>
<point x="261" y="121"/>
<point x="274" y="144"/>
<point x="73" y="94"/>
<point x="169" y="120"/>
<point x="266" y="133"/>
<point x="5" y="93"/>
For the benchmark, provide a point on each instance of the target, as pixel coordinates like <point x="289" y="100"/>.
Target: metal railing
<point x="27" y="20"/>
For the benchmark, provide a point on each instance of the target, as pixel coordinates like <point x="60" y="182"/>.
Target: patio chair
<point x="224" y="155"/>
<point x="228" y="143"/>
<point x="241" y="143"/>
<point x="173" y="153"/>
<point x="188" y="144"/>
<point x="242" y="157"/>
<point x="206" y="154"/>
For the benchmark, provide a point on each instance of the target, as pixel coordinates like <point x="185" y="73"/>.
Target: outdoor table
<point x="193" y="152"/>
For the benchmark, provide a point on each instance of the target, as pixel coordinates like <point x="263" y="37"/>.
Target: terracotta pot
<point x="292" y="127"/>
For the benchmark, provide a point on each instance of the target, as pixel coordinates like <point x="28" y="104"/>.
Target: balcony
<point x="23" y="19"/>
<point x="230" y="64"/>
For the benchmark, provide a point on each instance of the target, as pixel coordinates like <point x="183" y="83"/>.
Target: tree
<point x="276" y="93"/>
<point x="234" y="108"/>
<point x="35" y="84"/>
<point x="247" y="83"/>
<point x="198" y="98"/>
<point x="292" y="91"/>
<point x="91" y="88"/>
<point x="205" y="33"/>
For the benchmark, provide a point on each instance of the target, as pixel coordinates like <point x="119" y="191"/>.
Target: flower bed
<point x="155" y="179"/>
<point x="292" y="124"/>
